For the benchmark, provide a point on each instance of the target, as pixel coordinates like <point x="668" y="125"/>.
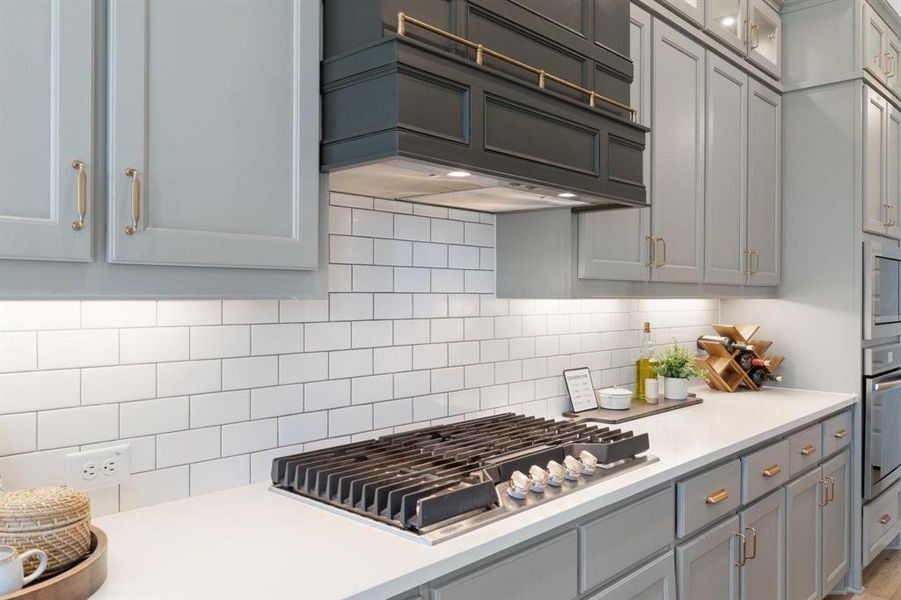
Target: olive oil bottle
<point x="643" y="364"/>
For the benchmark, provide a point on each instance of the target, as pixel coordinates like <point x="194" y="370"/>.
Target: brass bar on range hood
<point x="481" y="50"/>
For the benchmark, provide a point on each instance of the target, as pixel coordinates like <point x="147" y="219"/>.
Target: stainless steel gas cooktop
<point x="442" y="481"/>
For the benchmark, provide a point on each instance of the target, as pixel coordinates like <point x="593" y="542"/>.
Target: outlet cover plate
<point x="77" y="461"/>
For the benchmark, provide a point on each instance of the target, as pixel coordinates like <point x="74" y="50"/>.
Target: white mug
<point x="12" y="569"/>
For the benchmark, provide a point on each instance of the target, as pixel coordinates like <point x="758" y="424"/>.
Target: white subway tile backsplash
<point x="18" y="351"/>
<point x="220" y="474"/>
<point x="188" y="312"/>
<point x="154" y="344"/>
<point x="71" y="426"/>
<point x="23" y="315"/>
<point x="77" y="348"/>
<point x="103" y="385"/>
<point x="206" y="391"/>
<point x="219" y="341"/>
<point x="18" y="433"/>
<point x="153" y="416"/>
<point x="37" y="390"/>
<point x="183" y="447"/>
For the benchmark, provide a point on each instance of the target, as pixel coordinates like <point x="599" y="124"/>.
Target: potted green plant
<point x="676" y="365"/>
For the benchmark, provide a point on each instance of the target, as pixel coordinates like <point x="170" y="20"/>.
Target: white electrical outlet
<point x="98" y="468"/>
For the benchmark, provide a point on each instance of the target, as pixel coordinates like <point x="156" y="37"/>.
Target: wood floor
<point x="881" y="579"/>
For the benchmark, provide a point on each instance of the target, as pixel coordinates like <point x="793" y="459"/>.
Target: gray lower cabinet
<point x="764" y="185"/>
<point x="213" y="156"/>
<point x="655" y="581"/>
<point x="677" y="208"/>
<point x="46" y="150"/>
<point x="762" y="577"/>
<point x="836" y="520"/>
<point x="707" y="566"/>
<point x="548" y="570"/>
<point x="804" y="531"/>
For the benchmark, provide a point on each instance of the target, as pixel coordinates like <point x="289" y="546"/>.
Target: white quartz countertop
<point x="249" y="542"/>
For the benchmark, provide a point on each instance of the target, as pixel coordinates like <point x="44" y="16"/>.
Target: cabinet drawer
<point x="806" y="449"/>
<point x="654" y="581"/>
<point x="764" y="471"/>
<point x="706" y="497"/>
<point x="548" y="570"/>
<point x="640" y="530"/>
<point x="836" y="433"/>
<point x="880" y="522"/>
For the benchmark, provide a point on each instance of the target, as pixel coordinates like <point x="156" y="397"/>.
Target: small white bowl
<point x="615" y="398"/>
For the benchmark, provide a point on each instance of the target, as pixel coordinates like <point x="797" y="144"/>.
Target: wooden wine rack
<point x="723" y="371"/>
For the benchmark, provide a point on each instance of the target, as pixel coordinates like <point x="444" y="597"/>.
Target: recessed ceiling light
<point x="566" y="195"/>
<point x="458" y="174"/>
<point x="728" y="21"/>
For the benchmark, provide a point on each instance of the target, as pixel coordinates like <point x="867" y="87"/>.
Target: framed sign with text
<point x="580" y="388"/>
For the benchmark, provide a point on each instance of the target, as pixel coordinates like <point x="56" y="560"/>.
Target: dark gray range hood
<point x="424" y="114"/>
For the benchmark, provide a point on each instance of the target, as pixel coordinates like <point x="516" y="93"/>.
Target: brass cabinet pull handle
<point x="840" y="433"/>
<point x="78" y="165"/>
<point x="772" y="471"/>
<point x="890" y="65"/>
<point x="135" y="201"/>
<point x="717" y="496"/>
<point x="755" y="35"/>
<point x="742" y="550"/>
<point x="652" y="245"/>
<point x="885" y="519"/>
<point x="830" y="487"/>
<point x="808" y="450"/>
<point x="753" y="532"/>
<point x="755" y="265"/>
<point x="748" y="270"/>
<point x="825" y="500"/>
<point x="662" y="262"/>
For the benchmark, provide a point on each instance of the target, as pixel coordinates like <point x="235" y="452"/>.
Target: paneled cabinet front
<point x="707" y="566"/>
<point x="762" y="569"/>
<point x="764" y="185"/>
<point x="46" y="129"/>
<point x="213" y="157"/>
<point x="881" y="162"/>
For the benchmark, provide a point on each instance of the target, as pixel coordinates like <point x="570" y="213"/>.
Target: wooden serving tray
<point x="75" y="583"/>
<point x="638" y="410"/>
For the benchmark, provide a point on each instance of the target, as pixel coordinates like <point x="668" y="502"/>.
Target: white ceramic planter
<point x="675" y="388"/>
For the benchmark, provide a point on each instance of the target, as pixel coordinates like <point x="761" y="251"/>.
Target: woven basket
<point x="55" y="519"/>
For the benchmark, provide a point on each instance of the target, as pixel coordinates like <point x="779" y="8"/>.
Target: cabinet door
<point x="692" y="9"/>
<point x="836" y="521"/>
<point x="46" y="107"/>
<point x="804" y="529"/>
<point x="707" y="565"/>
<point x="764" y="184"/>
<point x="677" y="216"/>
<point x="875" y="142"/>
<point x="763" y="576"/>
<point x="214" y="137"/>
<point x="765" y="37"/>
<point x="893" y="172"/>
<point x="726" y="20"/>
<point x="875" y="35"/>
<point x="614" y="244"/>
<point x="655" y="581"/>
<point x="726" y="173"/>
<point x="893" y="52"/>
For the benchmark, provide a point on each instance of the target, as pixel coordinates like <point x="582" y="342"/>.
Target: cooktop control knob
<point x="556" y="473"/>
<point x="539" y="478"/>
<point x="573" y="467"/>
<point x="589" y="462"/>
<point x="519" y="485"/>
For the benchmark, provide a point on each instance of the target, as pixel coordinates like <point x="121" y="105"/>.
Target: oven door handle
<point x="887" y="385"/>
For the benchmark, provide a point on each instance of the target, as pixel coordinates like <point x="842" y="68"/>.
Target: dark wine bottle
<point x="759" y="375"/>
<point x="728" y="343"/>
<point x="748" y="360"/>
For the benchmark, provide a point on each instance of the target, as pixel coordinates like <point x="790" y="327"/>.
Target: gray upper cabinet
<point x="764" y="185"/>
<point x="726" y="19"/>
<point x="836" y="521"/>
<point x="893" y="172"/>
<point x="614" y="244"/>
<point x="764" y="37"/>
<point x="880" y="46"/>
<point x="804" y="529"/>
<point x="46" y="107"/>
<point x="726" y="173"/>
<point x="213" y="157"/>
<point x="707" y="566"/>
<point x="762" y="576"/>
<point x="677" y="216"/>
<point x="692" y="9"/>
<point x="880" y="173"/>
